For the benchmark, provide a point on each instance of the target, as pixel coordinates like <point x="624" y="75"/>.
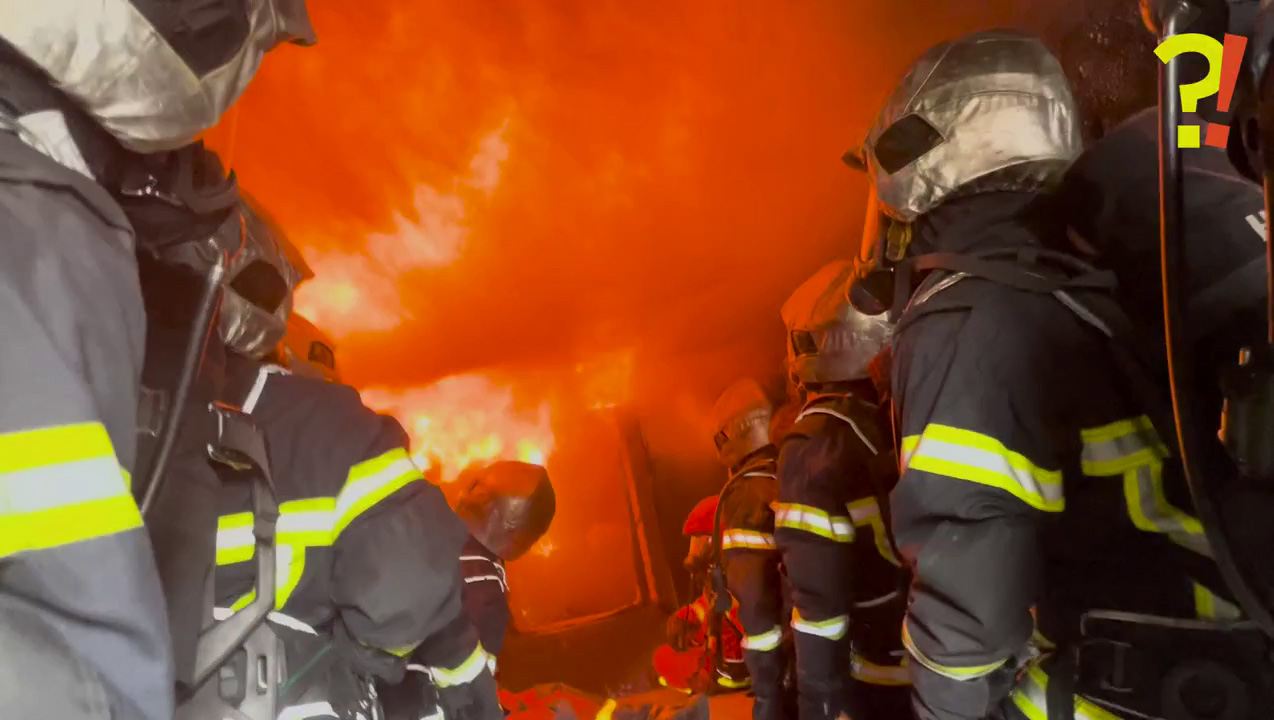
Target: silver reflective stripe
<point x="278" y="618"/>
<point x="471" y="668"/>
<point x="991" y="462"/>
<point x="869" y="672"/>
<point x="877" y="601"/>
<point x="831" y="628"/>
<point x="764" y="642"/>
<point x="61" y="485"/>
<point x="306" y="521"/>
<point x="803" y="517"/>
<point x="1151" y="511"/>
<point x="357" y="489"/>
<point x="308" y="710"/>
<point x="750" y="539"/>
<point x="843" y="418"/>
<point x="864" y="511"/>
<point x="1118" y="447"/>
<point x="254" y="395"/>
<point x="1031" y="698"/>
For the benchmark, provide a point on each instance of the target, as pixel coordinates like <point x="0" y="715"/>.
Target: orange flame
<point x="465" y="419"/>
<point x="359" y="292"/>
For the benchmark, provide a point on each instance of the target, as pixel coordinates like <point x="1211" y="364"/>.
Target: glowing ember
<point x="465" y="419"/>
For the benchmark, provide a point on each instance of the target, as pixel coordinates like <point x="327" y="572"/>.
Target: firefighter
<point x="748" y="565"/>
<point x="368" y="552"/>
<point x="1036" y="495"/>
<point x="85" y="89"/>
<point x="686" y="662"/>
<point x="507" y="506"/>
<point x="836" y="468"/>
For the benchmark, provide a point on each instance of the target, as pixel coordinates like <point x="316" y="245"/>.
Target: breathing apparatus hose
<point x="196" y="342"/>
<point x="1173" y="17"/>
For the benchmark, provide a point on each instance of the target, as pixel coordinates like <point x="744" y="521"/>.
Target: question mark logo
<point x="1223" y="72"/>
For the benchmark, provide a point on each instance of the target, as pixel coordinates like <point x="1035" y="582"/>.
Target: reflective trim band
<point x="747" y="539"/>
<point x="831" y="628"/>
<point x="724" y="680"/>
<point x="491" y="663"/>
<point x="955" y="673"/>
<point x="866" y="513"/>
<point x="765" y="641"/>
<point x="278" y="618"/>
<point x="869" y="672"/>
<point x="1209" y="606"/>
<point x="308" y="710"/>
<point x="465" y="672"/>
<point x="805" y="518"/>
<point x="877" y="600"/>
<point x="61" y="485"/>
<point x="1130" y="448"/>
<point x="370" y="482"/>
<point x="974" y="457"/>
<point x="1115" y="448"/>
<point x="608" y="709"/>
<point x="1031" y="697"/>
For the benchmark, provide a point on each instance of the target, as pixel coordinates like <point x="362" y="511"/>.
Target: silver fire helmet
<point x="741" y="419"/>
<point x="259" y="284"/>
<point x="507" y="505"/>
<point x="989" y="111"/>
<point x="152" y="77"/>
<point x="827" y="339"/>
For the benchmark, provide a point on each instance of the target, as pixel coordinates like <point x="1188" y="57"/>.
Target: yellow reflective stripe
<point x="869" y="672"/>
<point x="955" y="673"/>
<point x="405" y="650"/>
<point x="832" y="628"/>
<point x="725" y="680"/>
<point x="1131" y="449"/>
<point x="608" y="709"/>
<point x="806" y="518"/>
<point x="1112" y="449"/>
<point x="465" y="672"/>
<point x="61" y="485"/>
<point x="235" y="542"/>
<point x="974" y="457"/>
<point x="764" y="642"/>
<point x="370" y="482"/>
<point x="866" y="512"/>
<point x="748" y="539"/>
<point x="1031" y="697"/>
<point x="1209" y="606"/>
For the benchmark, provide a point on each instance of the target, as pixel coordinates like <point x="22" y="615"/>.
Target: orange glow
<point x="465" y="419"/>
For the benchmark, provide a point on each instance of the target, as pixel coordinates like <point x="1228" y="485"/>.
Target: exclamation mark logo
<point x="1231" y="60"/>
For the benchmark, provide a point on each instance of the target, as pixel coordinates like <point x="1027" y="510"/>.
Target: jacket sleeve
<point x="751" y="561"/>
<point x="982" y="431"/>
<point x="74" y="557"/>
<point x="396" y="572"/>
<point x="486" y="595"/>
<point x="814" y="533"/>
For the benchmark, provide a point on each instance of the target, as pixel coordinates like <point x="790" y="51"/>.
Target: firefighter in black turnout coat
<point x="836" y="468"/>
<point x="368" y="552"/>
<point x="1059" y="570"/>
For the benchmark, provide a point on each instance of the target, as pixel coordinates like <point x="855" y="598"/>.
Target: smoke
<point x="525" y="184"/>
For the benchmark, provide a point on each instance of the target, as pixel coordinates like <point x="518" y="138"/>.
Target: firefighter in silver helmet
<point x="86" y="91"/>
<point x="836" y="468"/>
<point x="747" y="564"/>
<point x="507" y="506"/>
<point x="1036" y="496"/>
<point x="369" y="553"/>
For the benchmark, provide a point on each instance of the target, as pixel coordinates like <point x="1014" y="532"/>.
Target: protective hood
<point x="507" y="505"/>
<point x="990" y="111"/>
<point x="154" y="73"/>
<point x="828" y="340"/>
<point x="741" y="419"/>
<point x="259" y="285"/>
